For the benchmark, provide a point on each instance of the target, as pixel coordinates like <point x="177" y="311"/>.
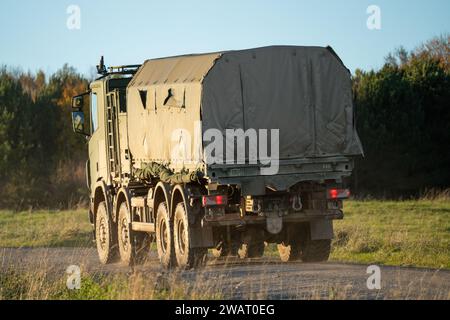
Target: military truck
<point x="179" y="154"/>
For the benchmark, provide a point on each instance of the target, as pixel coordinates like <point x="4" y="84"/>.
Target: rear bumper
<point x="290" y="172"/>
<point x="234" y="219"/>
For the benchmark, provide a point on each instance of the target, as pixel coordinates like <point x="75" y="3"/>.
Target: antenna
<point x="101" y="69"/>
<point x="119" y="70"/>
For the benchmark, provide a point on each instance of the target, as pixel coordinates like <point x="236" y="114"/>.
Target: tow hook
<point x="297" y="203"/>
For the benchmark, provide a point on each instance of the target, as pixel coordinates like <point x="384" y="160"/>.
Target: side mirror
<point x="78" y="122"/>
<point x="77" y="102"/>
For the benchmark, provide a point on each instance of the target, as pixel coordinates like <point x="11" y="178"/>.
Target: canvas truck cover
<point x="164" y="100"/>
<point x="305" y="92"/>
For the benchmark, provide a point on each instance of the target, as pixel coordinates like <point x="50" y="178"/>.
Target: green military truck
<point x="226" y="151"/>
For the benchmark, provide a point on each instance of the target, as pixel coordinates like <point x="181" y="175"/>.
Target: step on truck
<point x="228" y="151"/>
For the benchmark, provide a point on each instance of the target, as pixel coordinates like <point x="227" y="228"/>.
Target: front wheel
<point x="105" y="235"/>
<point x="186" y="256"/>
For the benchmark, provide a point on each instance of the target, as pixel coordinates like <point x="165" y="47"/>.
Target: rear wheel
<point x="316" y="250"/>
<point x="164" y="240"/>
<point x="105" y="235"/>
<point x="186" y="256"/>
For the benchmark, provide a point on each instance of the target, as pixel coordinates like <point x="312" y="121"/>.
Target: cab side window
<point x="122" y="101"/>
<point x="94" y="112"/>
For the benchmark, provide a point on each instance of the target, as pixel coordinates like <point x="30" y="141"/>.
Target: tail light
<point x="334" y="194"/>
<point x="217" y="200"/>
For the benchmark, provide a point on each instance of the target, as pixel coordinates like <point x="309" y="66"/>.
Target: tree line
<point x="402" y="117"/>
<point x="41" y="160"/>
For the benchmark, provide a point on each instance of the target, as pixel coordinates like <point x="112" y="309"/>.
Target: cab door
<point x="97" y="146"/>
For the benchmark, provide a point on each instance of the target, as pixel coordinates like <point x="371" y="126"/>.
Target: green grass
<point x="45" y="229"/>
<point x="406" y="233"/>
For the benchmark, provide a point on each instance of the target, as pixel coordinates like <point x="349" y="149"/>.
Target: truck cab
<point x="104" y="107"/>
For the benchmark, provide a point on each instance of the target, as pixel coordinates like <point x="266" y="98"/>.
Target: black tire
<point x="164" y="237"/>
<point x="315" y="250"/>
<point x="124" y="235"/>
<point x="289" y="251"/>
<point x="186" y="257"/>
<point x="105" y="235"/>
<point x="251" y="249"/>
<point x="133" y="246"/>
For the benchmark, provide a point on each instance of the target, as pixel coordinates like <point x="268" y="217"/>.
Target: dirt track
<point x="258" y="278"/>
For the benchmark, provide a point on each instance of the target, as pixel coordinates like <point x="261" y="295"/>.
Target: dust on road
<point x="265" y="278"/>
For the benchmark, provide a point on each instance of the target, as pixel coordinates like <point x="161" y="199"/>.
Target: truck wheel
<point x="164" y="243"/>
<point x="289" y="252"/>
<point x="316" y="250"/>
<point x="132" y="245"/>
<point x="251" y="250"/>
<point x="187" y="258"/>
<point x="105" y="235"/>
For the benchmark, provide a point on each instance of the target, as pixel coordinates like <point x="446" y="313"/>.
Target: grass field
<point x="406" y="233"/>
<point x="45" y="229"/>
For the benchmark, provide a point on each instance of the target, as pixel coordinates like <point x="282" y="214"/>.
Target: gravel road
<point x="264" y="278"/>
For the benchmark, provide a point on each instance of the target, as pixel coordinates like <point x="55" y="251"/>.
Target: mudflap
<point x="321" y="229"/>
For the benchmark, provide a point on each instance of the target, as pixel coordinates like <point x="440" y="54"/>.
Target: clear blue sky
<point x="34" y="34"/>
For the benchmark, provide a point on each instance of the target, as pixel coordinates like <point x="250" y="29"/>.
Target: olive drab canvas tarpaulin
<point x="305" y="92"/>
<point x="165" y="98"/>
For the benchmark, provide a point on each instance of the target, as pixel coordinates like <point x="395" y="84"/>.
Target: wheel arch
<point x="162" y="194"/>
<point x="178" y="195"/>
<point x="123" y="195"/>
<point x="99" y="194"/>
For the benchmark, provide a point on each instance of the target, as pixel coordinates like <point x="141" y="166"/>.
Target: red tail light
<point x="217" y="200"/>
<point x="338" y="193"/>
